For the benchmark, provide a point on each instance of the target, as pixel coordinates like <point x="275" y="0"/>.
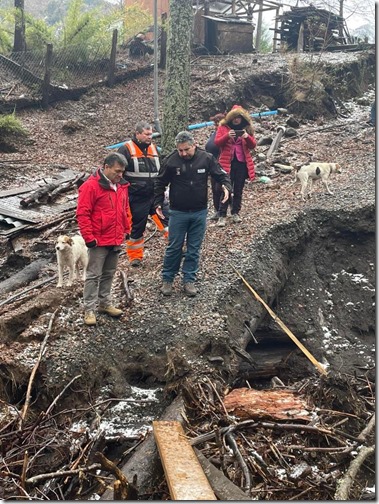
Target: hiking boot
<point x="214" y="217"/>
<point x="136" y="263"/>
<point x="190" y="289"/>
<point x="221" y="222"/>
<point x="166" y="288"/>
<point x="236" y="218"/>
<point x="89" y="318"/>
<point x="112" y="311"/>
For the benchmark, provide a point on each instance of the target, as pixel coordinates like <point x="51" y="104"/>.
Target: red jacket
<point x="102" y="213"/>
<point x="225" y="142"/>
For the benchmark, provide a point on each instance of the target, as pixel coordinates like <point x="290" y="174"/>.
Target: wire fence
<point x="75" y="66"/>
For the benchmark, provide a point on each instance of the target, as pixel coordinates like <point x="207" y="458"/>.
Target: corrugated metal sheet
<point x="14" y="217"/>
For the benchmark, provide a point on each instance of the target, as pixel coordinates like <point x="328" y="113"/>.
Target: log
<point x="145" y="461"/>
<point x="65" y="187"/>
<point x="35" y="196"/>
<point x="279" y="404"/>
<point x="223" y="488"/>
<point x="23" y="277"/>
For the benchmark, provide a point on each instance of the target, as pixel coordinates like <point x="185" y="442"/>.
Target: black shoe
<point x="136" y="263"/>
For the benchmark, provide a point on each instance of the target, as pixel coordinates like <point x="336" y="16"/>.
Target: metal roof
<point x="228" y="19"/>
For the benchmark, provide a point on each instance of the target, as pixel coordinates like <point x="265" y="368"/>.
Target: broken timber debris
<point x="51" y="191"/>
<point x="279" y="404"/>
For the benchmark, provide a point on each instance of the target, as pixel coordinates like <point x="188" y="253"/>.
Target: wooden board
<point x="184" y="474"/>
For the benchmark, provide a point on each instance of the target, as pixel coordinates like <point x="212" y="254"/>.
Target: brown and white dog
<point x="315" y="171"/>
<point x="71" y="253"/>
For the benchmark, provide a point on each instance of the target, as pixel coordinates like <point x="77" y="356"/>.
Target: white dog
<point x="71" y="253"/>
<point x="315" y="171"/>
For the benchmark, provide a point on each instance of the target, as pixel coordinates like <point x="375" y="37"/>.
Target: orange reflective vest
<point x="143" y="166"/>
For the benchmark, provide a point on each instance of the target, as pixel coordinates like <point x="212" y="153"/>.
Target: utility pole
<point x="157" y="125"/>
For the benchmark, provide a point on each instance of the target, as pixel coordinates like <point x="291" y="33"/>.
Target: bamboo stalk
<point x="283" y="326"/>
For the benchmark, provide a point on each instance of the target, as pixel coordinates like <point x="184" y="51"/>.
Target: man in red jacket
<point x="103" y="218"/>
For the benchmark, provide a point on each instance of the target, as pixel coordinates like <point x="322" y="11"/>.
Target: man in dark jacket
<point x="142" y="167"/>
<point x="103" y="218"/>
<point x="186" y="169"/>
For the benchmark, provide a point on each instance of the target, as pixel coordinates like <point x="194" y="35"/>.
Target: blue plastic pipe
<point x="211" y="123"/>
<point x="200" y="125"/>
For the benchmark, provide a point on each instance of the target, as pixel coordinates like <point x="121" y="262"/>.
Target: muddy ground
<point x="313" y="262"/>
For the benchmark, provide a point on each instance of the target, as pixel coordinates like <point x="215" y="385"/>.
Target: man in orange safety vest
<point x="141" y="170"/>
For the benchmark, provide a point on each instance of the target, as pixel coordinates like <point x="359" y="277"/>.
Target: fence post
<point x="112" y="62"/>
<point x="47" y="77"/>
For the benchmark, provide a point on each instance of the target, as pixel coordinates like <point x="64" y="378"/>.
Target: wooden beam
<point x="184" y="475"/>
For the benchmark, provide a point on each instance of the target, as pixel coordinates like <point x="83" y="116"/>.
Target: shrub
<point x="11" y="126"/>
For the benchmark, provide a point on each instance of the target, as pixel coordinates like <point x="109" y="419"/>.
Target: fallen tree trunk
<point x="23" y="277"/>
<point x="223" y="488"/>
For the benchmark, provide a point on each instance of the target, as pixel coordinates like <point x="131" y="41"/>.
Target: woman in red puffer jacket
<point x="235" y="138"/>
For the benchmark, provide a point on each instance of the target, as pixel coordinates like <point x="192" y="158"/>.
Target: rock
<point x="293" y="123"/>
<point x="265" y="141"/>
<point x="290" y="132"/>
<point x="261" y="156"/>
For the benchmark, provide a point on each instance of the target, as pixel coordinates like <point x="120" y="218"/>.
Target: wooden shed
<point x="311" y="29"/>
<point x="228" y="35"/>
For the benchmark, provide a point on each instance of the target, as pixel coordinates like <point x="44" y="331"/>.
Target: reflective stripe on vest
<point x="137" y="154"/>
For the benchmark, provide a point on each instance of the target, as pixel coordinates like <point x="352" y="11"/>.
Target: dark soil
<point x="312" y="261"/>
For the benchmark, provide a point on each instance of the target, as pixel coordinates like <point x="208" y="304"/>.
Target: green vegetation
<point x="10" y="126"/>
<point x="266" y="40"/>
<point x="135" y="20"/>
<point x="86" y="25"/>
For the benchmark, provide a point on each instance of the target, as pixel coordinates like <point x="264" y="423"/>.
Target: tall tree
<point x="19" y="28"/>
<point x="178" y="67"/>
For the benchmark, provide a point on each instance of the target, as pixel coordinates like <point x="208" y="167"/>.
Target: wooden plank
<point x="184" y="475"/>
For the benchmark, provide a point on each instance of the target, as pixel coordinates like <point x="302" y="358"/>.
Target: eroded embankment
<point x="316" y="271"/>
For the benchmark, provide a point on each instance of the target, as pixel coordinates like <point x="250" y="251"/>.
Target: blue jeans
<point x="182" y="225"/>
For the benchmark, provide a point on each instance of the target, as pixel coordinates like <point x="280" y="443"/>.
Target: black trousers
<point x="217" y="194"/>
<point x="238" y="175"/>
<point x="141" y="207"/>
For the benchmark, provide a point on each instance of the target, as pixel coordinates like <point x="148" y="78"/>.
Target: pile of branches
<point x="55" y="453"/>
<point x="330" y="457"/>
<point x="57" y="456"/>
